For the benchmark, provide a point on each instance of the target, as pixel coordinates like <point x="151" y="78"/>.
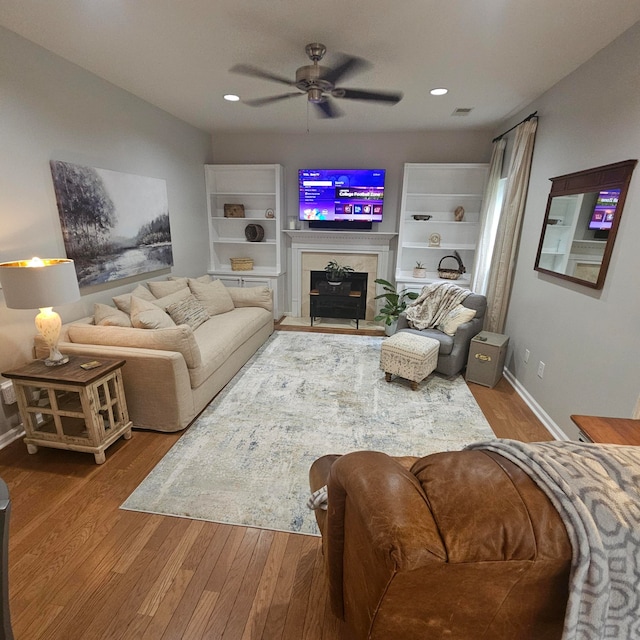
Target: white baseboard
<point x="11" y="435"/>
<point x="540" y="413"/>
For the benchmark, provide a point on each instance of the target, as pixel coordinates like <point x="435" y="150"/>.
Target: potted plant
<point x="337" y="272"/>
<point x="419" y="270"/>
<point x="395" y="303"/>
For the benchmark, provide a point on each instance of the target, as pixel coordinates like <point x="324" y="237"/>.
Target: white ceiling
<point x="495" y="56"/>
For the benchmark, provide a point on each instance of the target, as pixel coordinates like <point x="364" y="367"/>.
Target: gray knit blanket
<point x="596" y="491"/>
<point x="434" y="303"/>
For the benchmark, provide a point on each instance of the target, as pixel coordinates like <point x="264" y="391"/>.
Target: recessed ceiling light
<point x="440" y="91"/>
<point x="232" y="97"/>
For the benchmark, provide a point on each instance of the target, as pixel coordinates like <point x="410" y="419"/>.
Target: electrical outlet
<point x="527" y="353"/>
<point x="541" y="369"/>
<point x="8" y="392"/>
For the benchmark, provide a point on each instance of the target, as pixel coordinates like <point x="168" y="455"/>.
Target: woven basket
<point x="241" y="264"/>
<point x="254" y="232"/>
<point x="451" y="274"/>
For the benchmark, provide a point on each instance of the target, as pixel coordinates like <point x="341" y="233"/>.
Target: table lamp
<point x="41" y="284"/>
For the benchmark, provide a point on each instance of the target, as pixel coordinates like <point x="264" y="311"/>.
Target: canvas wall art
<point x="114" y="224"/>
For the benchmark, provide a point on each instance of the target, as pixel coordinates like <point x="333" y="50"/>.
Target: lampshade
<point x="36" y="283"/>
<point x="41" y="284"/>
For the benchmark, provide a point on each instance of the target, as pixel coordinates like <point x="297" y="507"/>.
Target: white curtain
<point x="506" y="244"/>
<point x="491" y="207"/>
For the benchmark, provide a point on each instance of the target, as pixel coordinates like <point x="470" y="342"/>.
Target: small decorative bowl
<point x="425" y="216"/>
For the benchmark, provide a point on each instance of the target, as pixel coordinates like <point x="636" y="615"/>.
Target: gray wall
<point x="589" y="340"/>
<point x="347" y="151"/>
<point x="51" y="109"/>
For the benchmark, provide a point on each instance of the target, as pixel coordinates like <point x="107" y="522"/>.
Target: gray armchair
<point x="454" y="350"/>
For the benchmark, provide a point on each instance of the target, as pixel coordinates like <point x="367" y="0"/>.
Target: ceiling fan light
<point x="231" y="97"/>
<point x="315" y="95"/>
<point x="439" y="91"/>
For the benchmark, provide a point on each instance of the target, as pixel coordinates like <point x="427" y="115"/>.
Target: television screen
<point x="341" y="195"/>
<point x="604" y="210"/>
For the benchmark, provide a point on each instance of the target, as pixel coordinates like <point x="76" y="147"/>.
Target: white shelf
<point x="445" y="246"/>
<point x="410" y="220"/>
<point x="256" y="271"/>
<point x="437" y="190"/>
<point x="262" y="243"/>
<point x="257" y="187"/>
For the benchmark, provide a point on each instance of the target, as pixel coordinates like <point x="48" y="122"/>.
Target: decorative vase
<point x="419" y="273"/>
<point x="458" y="214"/>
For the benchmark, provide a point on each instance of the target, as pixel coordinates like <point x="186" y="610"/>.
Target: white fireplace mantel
<point x="316" y="241"/>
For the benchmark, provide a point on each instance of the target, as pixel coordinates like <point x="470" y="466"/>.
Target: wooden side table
<point x="68" y="407"/>
<point x="609" y="430"/>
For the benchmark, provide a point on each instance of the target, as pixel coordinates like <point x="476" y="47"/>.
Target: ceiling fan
<point x="318" y="83"/>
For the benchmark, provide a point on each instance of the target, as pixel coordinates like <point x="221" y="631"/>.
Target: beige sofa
<point x="173" y="370"/>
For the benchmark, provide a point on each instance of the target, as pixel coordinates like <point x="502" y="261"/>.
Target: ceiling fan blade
<point x="378" y="96"/>
<point x="347" y="66"/>
<point x="327" y="109"/>
<point x="259" y="102"/>
<point x="254" y="72"/>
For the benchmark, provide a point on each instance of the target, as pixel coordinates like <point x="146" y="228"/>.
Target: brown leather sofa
<point x="459" y="545"/>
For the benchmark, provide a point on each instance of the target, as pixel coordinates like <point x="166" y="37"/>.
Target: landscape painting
<point x="114" y="224"/>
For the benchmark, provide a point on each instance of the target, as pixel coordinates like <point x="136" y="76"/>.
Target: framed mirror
<point x="581" y="222"/>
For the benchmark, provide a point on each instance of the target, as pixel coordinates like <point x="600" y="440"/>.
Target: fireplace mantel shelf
<point x="313" y="236"/>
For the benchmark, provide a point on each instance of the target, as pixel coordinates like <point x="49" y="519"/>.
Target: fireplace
<point x="366" y="252"/>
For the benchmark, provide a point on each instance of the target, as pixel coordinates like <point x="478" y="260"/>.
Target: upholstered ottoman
<point x="409" y="356"/>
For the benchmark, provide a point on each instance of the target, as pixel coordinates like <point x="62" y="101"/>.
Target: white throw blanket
<point x="595" y="489"/>
<point x="434" y="303"/>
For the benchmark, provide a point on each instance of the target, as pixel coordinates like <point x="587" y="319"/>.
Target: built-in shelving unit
<point x="438" y="190"/>
<point x="259" y="188"/>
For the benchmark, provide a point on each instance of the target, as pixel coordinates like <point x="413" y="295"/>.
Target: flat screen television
<point x="604" y="210"/>
<point x="341" y="197"/>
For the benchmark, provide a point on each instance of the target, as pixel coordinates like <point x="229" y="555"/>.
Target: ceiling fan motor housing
<point x="309" y="79"/>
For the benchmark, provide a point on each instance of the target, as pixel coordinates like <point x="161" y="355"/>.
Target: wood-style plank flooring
<point x="82" y="569"/>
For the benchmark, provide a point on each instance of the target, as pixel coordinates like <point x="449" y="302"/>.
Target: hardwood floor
<point x="81" y="568"/>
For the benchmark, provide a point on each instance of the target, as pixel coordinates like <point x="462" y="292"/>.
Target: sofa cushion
<point x="251" y="297"/>
<point x="146" y="315"/>
<point x="188" y="311"/>
<point x="446" y="342"/>
<point x="213" y="295"/>
<point x="161" y="288"/>
<point x="172" y="298"/>
<point x="457" y="316"/>
<point x="108" y="316"/>
<point x="205" y="278"/>
<point x="219" y="337"/>
<point x="179" y="339"/>
<point x="123" y="302"/>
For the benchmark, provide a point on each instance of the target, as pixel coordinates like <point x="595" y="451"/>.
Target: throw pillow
<point x="107" y="316"/>
<point x="163" y="288"/>
<point x="204" y="278"/>
<point x="213" y="296"/>
<point x="251" y="297"/>
<point x="123" y="302"/>
<point x="166" y="301"/>
<point x="457" y="316"/>
<point x="146" y="315"/>
<point x="188" y="311"/>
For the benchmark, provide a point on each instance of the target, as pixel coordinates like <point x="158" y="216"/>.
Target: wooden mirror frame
<point x="611" y="176"/>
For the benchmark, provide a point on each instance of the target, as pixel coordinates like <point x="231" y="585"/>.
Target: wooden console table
<point x="68" y="407"/>
<point x="609" y="430"/>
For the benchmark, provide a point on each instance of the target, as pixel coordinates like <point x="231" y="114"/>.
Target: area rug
<point x="246" y="459"/>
